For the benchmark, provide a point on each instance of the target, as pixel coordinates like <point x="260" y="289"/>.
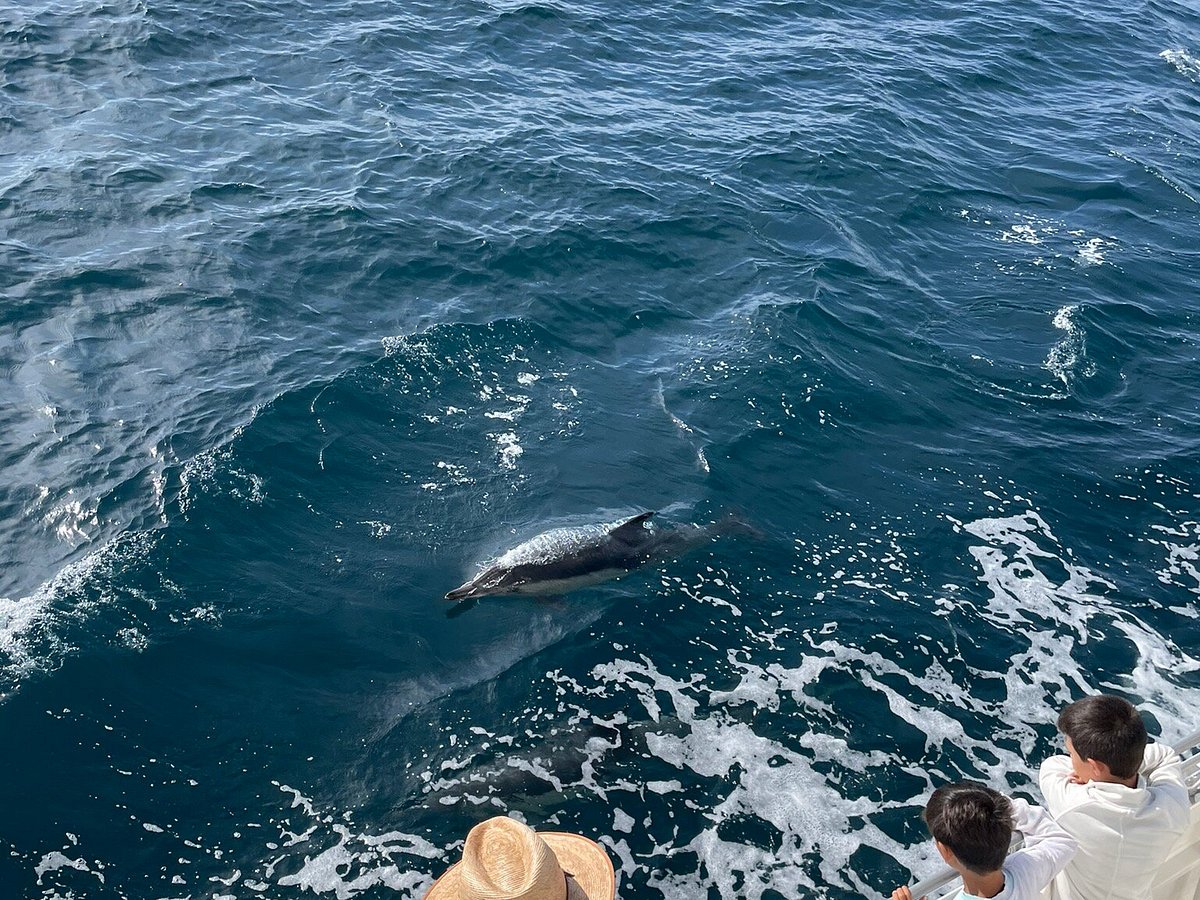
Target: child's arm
<point x="1047" y="847"/>
<point x="1057" y="781"/>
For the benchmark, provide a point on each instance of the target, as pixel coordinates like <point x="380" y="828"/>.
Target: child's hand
<point x="902" y="893"/>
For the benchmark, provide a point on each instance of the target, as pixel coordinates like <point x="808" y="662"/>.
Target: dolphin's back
<point x="585" y="548"/>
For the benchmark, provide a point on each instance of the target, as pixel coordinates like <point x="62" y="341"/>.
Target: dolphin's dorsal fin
<point x="631" y="528"/>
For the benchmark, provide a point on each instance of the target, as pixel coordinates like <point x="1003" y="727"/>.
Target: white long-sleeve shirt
<point x="1047" y="848"/>
<point x="1124" y="833"/>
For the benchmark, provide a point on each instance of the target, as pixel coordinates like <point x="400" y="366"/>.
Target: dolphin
<point x="567" y="559"/>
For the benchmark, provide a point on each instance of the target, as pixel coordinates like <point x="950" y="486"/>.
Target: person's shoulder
<point x="1158" y="755"/>
<point x="1171" y="800"/>
<point x="1162" y="777"/>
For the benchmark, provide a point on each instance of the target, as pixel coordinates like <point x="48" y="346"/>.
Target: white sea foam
<point x="1067" y="359"/>
<point x="31" y="627"/>
<point x="1053" y="612"/>
<point x="1184" y="63"/>
<point x="1091" y="252"/>
<point x="1052" y="242"/>
<point x="483" y="398"/>
<point x="74" y="521"/>
<point x="760" y="777"/>
<point x="345" y="862"/>
<point x="379" y="530"/>
<point x="509" y="448"/>
<point x="358" y="862"/>
<point x="1182" y="543"/>
<point x="212" y="473"/>
<point x="623" y="823"/>
<point x="56" y="860"/>
<point x="1019" y="591"/>
<point x="1022" y="234"/>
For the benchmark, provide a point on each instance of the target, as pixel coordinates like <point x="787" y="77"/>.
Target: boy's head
<point x="1104" y="729"/>
<point x="973" y="822"/>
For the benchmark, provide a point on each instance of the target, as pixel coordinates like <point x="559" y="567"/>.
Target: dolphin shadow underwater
<point x="562" y="560"/>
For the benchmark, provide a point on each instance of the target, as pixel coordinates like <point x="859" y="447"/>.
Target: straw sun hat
<point x="505" y="860"/>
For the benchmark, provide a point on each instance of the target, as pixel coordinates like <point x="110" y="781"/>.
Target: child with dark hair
<point x="972" y="827"/>
<point x="1122" y="799"/>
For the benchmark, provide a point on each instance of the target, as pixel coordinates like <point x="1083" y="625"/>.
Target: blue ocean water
<point x="308" y="308"/>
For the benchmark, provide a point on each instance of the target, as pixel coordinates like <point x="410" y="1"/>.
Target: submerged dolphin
<point x="566" y="559"/>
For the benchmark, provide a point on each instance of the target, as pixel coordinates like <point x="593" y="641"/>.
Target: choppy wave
<point x="39" y="631"/>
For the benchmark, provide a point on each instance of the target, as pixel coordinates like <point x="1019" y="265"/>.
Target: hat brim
<point x="590" y="874"/>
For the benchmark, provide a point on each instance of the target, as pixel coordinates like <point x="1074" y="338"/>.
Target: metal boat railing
<point x="939" y="884"/>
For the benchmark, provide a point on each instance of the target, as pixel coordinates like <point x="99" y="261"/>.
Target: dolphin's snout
<point x="483" y="584"/>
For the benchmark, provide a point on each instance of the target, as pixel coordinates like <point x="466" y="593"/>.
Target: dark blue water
<point x="310" y="307"/>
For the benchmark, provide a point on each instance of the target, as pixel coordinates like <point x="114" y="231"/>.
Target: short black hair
<point x="1108" y="729"/>
<point x="974" y="821"/>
